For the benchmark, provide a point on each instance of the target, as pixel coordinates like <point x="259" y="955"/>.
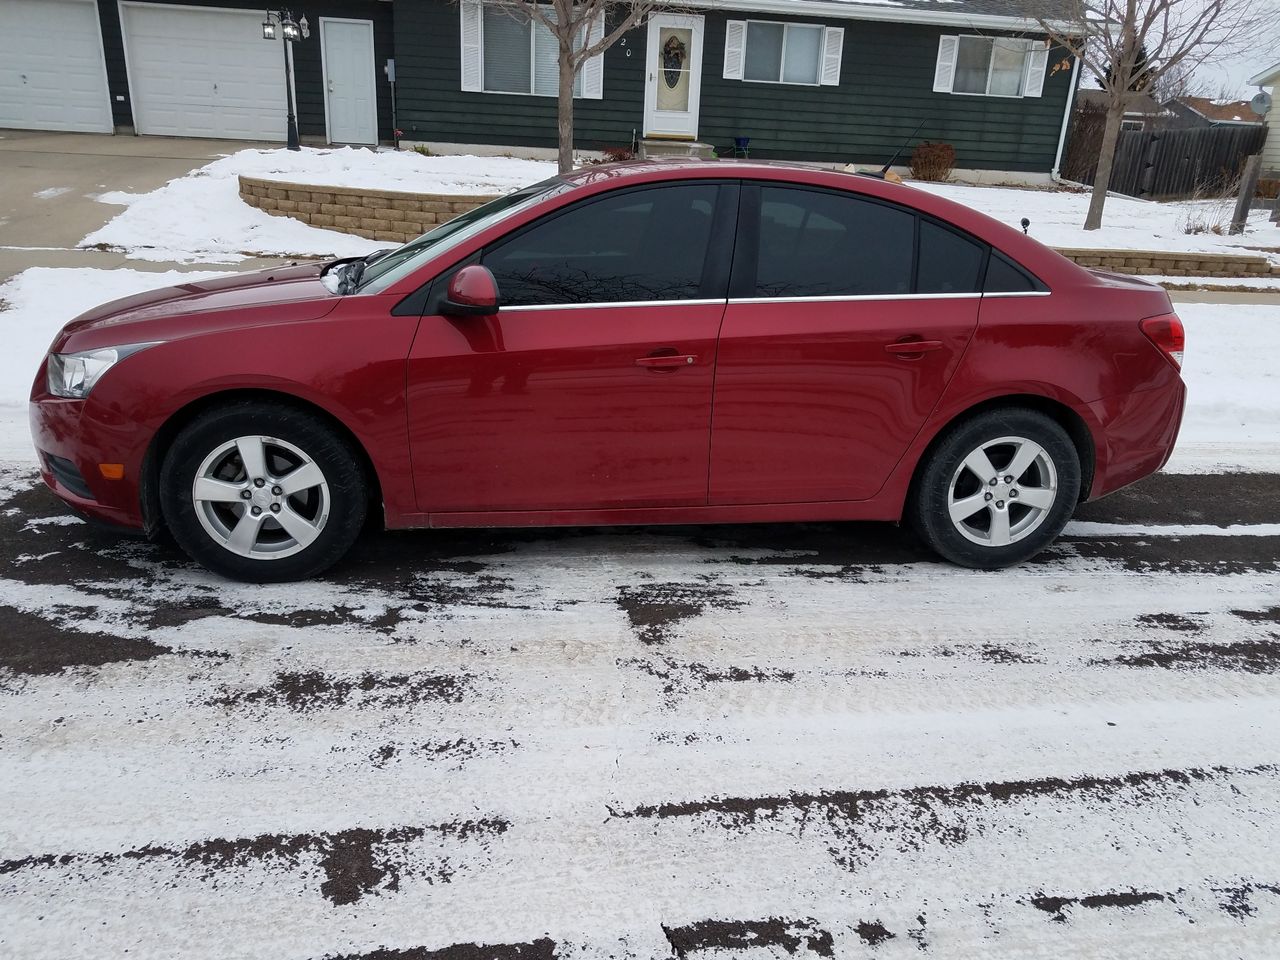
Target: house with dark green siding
<point x="831" y="81"/>
<point x="819" y="80"/>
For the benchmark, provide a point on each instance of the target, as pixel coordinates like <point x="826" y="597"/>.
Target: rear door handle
<point x="913" y="346"/>
<point x="665" y="362"/>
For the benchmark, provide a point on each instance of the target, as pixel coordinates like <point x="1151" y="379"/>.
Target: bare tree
<point x="1131" y="45"/>
<point x="582" y="29"/>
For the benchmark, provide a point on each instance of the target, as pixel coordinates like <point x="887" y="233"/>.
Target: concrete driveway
<point x="48" y="182"/>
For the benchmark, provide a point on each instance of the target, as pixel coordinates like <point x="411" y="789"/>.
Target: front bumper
<point x="72" y="443"/>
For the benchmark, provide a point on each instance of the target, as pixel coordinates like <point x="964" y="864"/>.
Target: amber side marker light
<point x="111" y="471"/>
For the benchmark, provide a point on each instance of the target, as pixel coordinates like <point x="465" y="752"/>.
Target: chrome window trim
<point x="608" y="303"/>
<point x="845" y="298"/>
<point x="849" y="298"/>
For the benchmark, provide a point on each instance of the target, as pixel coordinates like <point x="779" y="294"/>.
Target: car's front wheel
<point x="997" y="489"/>
<point x="262" y="493"/>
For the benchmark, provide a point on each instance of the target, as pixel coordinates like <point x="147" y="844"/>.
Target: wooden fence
<point x="1173" y="163"/>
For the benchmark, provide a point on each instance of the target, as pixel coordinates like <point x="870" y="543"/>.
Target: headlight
<point x="73" y="375"/>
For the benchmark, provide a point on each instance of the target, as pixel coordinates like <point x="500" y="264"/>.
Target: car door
<point x="833" y="350"/>
<point x="591" y="387"/>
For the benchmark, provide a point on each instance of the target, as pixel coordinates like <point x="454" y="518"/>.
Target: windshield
<point x="399" y="263"/>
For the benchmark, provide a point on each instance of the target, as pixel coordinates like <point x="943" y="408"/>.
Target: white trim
<point x="124" y="43"/>
<point x="840" y="10"/>
<point x="1066" y="117"/>
<point x="1018" y="293"/>
<point x="324" y="74"/>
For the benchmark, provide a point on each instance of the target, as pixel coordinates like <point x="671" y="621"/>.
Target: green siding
<point x="885" y="90"/>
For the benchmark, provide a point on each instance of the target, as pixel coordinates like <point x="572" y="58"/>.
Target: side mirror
<point x="472" y="293"/>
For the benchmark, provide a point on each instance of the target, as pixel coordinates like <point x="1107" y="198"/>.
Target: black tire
<point x="336" y="508"/>
<point x="944" y="472"/>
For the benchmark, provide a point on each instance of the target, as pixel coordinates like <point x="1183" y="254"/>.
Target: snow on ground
<point x="200" y="217"/>
<point x="802" y="741"/>
<point x="1057" y="216"/>
<point x="34" y="306"/>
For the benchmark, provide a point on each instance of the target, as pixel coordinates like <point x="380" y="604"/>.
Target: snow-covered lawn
<point x="1232" y="419"/>
<point x="1057" y="216"/>
<point x="200" y="217"/>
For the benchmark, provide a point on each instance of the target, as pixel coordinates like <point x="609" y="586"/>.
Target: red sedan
<point x="675" y="342"/>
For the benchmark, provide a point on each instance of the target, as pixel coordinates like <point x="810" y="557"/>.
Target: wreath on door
<point x="674" y="53"/>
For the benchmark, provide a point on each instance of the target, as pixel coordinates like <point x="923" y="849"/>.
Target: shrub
<point x="933" y="161"/>
<point x="423" y="149"/>
<point x="614" y="154"/>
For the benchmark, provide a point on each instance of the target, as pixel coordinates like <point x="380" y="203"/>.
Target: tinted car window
<point x="1004" y="277"/>
<point x="640" y="245"/>
<point x="815" y="244"/>
<point x="949" y="263"/>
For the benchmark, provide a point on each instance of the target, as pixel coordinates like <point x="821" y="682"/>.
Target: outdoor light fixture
<point x="291" y="31"/>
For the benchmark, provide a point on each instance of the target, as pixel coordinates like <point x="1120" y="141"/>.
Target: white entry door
<point x="673" y="77"/>
<point x="351" y="100"/>
<point x="52" y="72"/>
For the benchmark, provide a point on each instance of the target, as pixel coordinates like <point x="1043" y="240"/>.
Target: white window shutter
<point x="471" y="18"/>
<point x="735" y="48"/>
<point x="832" y="49"/>
<point x="593" y="69"/>
<point x="1037" y="60"/>
<point x="945" y="72"/>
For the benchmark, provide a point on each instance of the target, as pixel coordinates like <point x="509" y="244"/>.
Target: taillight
<point x="1166" y="333"/>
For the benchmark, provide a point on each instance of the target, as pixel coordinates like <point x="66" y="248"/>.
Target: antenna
<point x="885" y="168"/>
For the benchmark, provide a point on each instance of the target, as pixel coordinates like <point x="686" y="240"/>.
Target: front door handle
<point x="666" y="362"/>
<point x="908" y="347"/>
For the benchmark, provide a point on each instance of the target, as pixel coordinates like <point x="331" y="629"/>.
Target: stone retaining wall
<point x="395" y="217"/>
<point x="389" y="215"/>
<point x="1163" y="263"/>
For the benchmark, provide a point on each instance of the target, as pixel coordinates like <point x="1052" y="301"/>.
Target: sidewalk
<point x="47" y="184"/>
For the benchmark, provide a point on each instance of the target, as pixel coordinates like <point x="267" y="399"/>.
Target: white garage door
<point x="52" y="75"/>
<point x="203" y="73"/>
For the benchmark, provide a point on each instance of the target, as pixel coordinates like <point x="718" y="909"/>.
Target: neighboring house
<point x="193" y="69"/>
<point x="822" y="80"/>
<point x="1271" y="149"/>
<point x="1207" y="112"/>
<point x="1141" y="112"/>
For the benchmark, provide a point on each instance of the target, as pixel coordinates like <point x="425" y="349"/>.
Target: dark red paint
<point x="679" y="412"/>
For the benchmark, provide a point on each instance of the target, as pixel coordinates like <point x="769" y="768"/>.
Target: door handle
<point x="665" y="362"/>
<point x="908" y="347"/>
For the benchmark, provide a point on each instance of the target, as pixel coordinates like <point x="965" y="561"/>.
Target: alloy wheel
<point x="261" y="497"/>
<point x="1002" y="491"/>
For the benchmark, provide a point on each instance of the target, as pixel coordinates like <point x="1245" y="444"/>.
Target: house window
<point x="521" y="55"/>
<point x="765" y="51"/>
<point x="1131" y="124"/>
<point x="991" y="66"/>
<point x="504" y="50"/>
<point x="783" y="53"/>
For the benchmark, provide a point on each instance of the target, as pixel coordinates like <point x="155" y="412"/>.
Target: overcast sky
<point x="1234" y="73"/>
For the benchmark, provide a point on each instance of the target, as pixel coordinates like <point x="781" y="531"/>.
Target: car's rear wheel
<point x="263" y="494"/>
<point x="997" y="489"/>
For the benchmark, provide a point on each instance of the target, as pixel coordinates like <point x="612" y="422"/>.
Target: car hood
<point x="276" y="295"/>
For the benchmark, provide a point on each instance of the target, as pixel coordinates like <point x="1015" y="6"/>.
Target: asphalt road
<point x="799" y="740"/>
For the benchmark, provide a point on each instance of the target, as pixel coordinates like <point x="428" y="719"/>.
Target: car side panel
<point x="350" y="364"/>
<point x="809" y="405"/>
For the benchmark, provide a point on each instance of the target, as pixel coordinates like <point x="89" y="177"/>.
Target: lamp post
<point x="291" y="31"/>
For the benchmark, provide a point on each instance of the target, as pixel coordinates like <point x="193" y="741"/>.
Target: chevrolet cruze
<point x="674" y="342"/>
